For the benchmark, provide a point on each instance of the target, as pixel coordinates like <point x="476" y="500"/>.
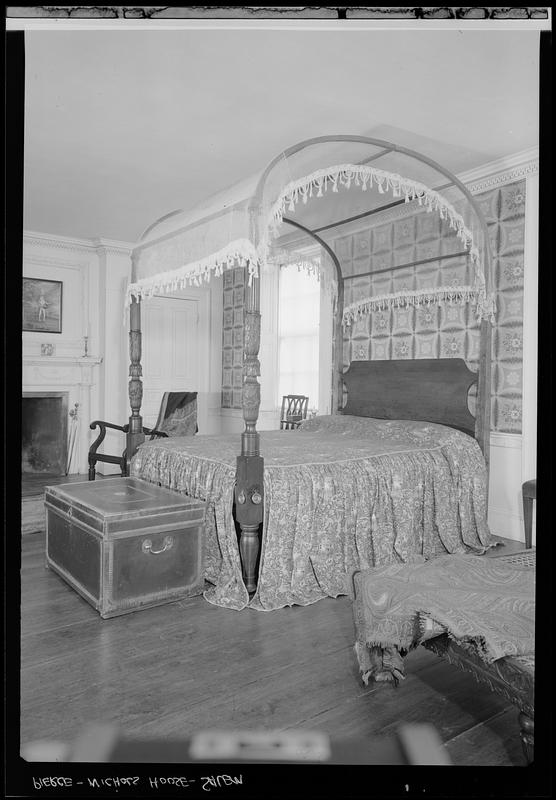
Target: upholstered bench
<point x="513" y="677"/>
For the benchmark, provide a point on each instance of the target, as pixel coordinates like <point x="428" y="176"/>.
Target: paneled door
<point x="170" y="351"/>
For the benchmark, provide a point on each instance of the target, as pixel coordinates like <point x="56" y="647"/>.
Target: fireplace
<point x="44" y="432"/>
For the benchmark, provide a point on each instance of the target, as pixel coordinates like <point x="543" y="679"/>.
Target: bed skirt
<point x="333" y="504"/>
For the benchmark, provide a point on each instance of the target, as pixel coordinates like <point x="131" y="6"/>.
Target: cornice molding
<point x="113" y="247"/>
<point x="502" y="178"/>
<point x="96" y="246"/>
<point x="501" y="171"/>
<point x="36" y="239"/>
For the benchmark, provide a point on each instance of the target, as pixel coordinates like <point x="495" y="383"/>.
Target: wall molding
<point x="110" y="246"/>
<point x="506" y="525"/>
<point x="48" y="261"/>
<point x="113" y="247"/>
<point x="61" y="361"/>
<point x="34" y="239"/>
<point x="502" y="171"/>
<point x="503" y="178"/>
<point x="511" y="440"/>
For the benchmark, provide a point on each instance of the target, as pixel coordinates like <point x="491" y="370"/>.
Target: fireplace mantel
<point x="61" y="361"/>
<point x="74" y="374"/>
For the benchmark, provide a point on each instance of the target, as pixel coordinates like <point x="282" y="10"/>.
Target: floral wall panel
<point x="446" y="331"/>
<point x="232" y="336"/>
<point x="427" y="332"/>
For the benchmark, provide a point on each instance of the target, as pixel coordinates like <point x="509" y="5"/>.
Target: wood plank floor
<point x="187" y="666"/>
<point x="32" y="497"/>
<point x="33" y="483"/>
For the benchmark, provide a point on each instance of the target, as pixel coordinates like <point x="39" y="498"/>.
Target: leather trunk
<point x="125" y="544"/>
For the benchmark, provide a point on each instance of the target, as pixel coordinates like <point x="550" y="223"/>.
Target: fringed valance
<point x="239" y="253"/>
<point x="251" y="229"/>
<point x="283" y="257"/>
<point x="453" y="295"/>
<point x="310" y="264"/>
<point x="365" y="177"/>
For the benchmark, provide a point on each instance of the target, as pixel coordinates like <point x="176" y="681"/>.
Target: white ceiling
<point x="123" y="127"/>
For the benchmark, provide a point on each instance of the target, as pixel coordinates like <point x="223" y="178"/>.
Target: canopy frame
<point x="249" y="489"/>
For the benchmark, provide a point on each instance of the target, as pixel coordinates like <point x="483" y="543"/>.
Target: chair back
<point x="294" y="410"/>
<point x="178" y="414"/>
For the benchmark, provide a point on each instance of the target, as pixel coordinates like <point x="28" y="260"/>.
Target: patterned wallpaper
<point x="446" y="331"/>
<point x="504" y="210"/>
<point x="232" y="337"/>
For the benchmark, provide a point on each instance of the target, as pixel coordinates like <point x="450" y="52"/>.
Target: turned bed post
<point x="338" y="358"/>
<point x="249" y="474"/>
<point x="135" y="435"/>
<point x="484" y="382"/>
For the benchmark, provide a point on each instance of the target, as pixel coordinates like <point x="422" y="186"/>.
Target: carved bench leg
<point x="527" y="733"/>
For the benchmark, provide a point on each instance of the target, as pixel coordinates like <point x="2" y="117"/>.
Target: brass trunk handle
<point x="167" y="544"/>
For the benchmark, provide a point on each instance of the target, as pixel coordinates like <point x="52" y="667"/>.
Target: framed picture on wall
<point x="42" y="305"/>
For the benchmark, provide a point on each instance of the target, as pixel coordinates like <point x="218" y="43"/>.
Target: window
<point x="298" y="334"/>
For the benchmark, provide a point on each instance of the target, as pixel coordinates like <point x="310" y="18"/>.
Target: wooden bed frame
<point x="435" y="390"/>
<point x="429" y="390"/>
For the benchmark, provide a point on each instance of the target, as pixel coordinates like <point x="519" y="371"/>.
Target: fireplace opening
<point x="44" y="428"/>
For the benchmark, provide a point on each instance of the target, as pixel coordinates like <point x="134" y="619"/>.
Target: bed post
<point x="337" y="367"/>
<point x="484" y="383"/>
<point x="249" y="474"/>
<point x="135" y="435"/>
<point x="482" y="416"/>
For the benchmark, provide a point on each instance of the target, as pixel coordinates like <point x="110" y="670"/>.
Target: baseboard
<point x="509" y="526"/>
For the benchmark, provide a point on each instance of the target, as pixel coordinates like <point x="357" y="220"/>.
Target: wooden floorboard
<point x="495" y="738"/>
<point x="33" y="483"/>
<point x="32" y="498"/>
<point x="183" y="667"/>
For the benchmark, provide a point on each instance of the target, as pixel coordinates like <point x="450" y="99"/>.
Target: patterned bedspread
<point x="341" y="493"/>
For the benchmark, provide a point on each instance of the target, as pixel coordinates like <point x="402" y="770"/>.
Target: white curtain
<point x="298" y="334"/>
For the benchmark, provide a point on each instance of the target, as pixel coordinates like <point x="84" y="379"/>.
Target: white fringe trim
<point x="289" y="258"/>
<point x="365" y="176"/>
<point x="311" y="266"/>
<point x="453" y="295"/>
<point x="239" y="253"/>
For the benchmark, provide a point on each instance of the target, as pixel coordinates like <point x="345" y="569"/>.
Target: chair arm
<point x="98" y="423"/>
<point x="101" y="424"/>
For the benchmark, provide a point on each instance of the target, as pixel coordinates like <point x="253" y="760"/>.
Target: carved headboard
<point x="428" y="389"/>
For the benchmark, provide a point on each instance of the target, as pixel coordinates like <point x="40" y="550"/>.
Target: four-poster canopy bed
<point x="395" y="470"/>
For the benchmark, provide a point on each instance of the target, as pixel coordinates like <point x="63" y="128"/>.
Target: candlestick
<point x="86" y="343"/>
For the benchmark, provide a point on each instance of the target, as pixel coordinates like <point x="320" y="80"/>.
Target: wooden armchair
<point x="294" y="411"/>
<point x="121" y="461"/>
<point x="177" y="417"/>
